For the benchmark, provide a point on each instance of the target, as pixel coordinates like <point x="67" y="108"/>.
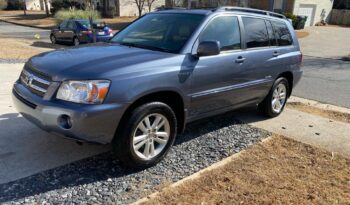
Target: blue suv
<point x="166" y="69"/>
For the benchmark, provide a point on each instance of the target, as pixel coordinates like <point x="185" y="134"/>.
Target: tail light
<point x="86" y="32"/>
<point x="110" y="31"/>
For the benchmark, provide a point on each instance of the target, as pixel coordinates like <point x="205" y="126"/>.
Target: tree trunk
<point x="117" y="7"/>
<point x="47" y="8"/>
<point x="24" y="7"/>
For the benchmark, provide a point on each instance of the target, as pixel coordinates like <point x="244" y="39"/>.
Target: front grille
<point x="35" y="82"/>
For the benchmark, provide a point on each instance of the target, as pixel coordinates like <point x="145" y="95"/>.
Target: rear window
<point x="85" y="24"/>
<point x="256" y="34"/>
<point x="284" y="38"/>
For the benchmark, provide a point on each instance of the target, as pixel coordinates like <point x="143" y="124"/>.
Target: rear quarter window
<point x="256" y="34"/>
<point x="282" y="33"/>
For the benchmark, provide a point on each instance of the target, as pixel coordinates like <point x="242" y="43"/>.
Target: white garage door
<point x="309" y="11"/>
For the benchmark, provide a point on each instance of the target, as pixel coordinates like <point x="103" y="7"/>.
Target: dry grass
<point x="302" y="34"/>
<point x="39" y="19"/>
<point x="334" y="115"/>
<point x="18" y="49"/>
<point x="279" y="171"/>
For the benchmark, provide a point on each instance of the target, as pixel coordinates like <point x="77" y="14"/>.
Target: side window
<point x="70" y="25"/>
<point x="224" y="29"/>
<point x="63" y="25"/>
<point x="255" y="32"/>
<point x="272" y="37"/>
<point x="284" y="38"/>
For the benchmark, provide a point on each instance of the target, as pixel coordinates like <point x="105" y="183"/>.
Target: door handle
<point x="240" y="59"/>
<point x="275" y="54"/>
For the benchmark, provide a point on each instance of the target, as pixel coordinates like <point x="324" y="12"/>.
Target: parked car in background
<point x="80" y="31"/>
<point x="164" y="70"/>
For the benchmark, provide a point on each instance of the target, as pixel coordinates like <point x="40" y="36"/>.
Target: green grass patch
<point x="76" y="14"/>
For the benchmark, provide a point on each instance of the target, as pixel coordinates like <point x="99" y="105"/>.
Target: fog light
<point x="65" y="122"/>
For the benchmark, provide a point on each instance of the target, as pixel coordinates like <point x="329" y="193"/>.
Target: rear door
<point x="69" y="31"/>
<point x="287" y="54"/>
<point x="216" y="79"/>
<point x="261" y="59"/>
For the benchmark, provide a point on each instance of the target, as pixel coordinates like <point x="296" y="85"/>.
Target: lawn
<point x="19" y="49"/>
<point x="277" y="171"/>
<point x="39" y="19"/>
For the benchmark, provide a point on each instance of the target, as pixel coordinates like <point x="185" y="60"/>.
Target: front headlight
<point x="87" y="92"/>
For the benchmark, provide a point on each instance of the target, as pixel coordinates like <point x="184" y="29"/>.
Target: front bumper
<point x="296" y="77"/>
<point x="90" y="123"/>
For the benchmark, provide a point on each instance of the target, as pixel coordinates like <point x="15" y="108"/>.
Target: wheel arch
<point x="289" y="76"/>
<point x="171" y="98"/>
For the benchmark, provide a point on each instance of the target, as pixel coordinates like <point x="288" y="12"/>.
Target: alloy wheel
<point x="279" y="98"/>
<point x="151" y="136"/>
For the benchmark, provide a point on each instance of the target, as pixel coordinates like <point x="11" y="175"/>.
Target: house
<point x="36" y="5"/>
<point x="315" y="10"/>
<point x="126" y="7"/>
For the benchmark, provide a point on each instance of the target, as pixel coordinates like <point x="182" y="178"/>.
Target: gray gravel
<point x="100" y="179"/>
<point x="2" y="61"/>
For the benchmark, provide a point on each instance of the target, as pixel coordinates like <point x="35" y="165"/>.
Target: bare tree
<point x="149" y="4"/>
<point x="140" y="4"/>
<point x="24" y="7"/>
<point x="47" y="8"/>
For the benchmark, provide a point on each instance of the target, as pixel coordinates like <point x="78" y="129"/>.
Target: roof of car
<point x="207" y="11"/>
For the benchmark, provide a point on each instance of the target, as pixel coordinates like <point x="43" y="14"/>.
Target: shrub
<point x="3" y="4"/>
<point x="65" y="4"/>
<point x="76" y="14"/>
<point x="291" y="16"/>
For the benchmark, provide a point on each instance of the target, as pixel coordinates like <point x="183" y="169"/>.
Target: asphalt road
<point x="325" y="80"/>
<point x="14" y="31"/>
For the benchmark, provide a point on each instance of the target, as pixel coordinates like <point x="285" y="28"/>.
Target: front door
<point x="215" y="78"/>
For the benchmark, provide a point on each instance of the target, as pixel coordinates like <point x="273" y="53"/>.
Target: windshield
<point x="163" y="32"/>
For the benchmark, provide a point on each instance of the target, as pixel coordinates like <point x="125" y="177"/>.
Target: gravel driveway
<point x="100" y="179"/>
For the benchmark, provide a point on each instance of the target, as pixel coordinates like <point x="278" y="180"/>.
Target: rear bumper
<point x="90" y="123"/>
<point x="296" y="77"/>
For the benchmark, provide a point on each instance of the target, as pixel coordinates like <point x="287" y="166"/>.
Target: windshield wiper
<point x="145" y="47"/>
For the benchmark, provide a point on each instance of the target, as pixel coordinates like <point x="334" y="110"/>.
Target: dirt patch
<point x="278" y="171"/>
<point x="39" y="19"/>
<point x="302" y="34"/>
<point x="18" y="49"/>
<point x="33" y="18"/>
<point x="334" y="115"/>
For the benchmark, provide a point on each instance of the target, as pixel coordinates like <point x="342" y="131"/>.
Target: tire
<point x="53" y="39"/>
<point x="76" y="41"/>
<point x="278" y="92"/>
<point x="131" y="142"/>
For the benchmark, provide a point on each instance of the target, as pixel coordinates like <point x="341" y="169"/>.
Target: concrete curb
<point x="197" y="174"/>
<point x="26" y="25"/>
<point x="319" y="105"/>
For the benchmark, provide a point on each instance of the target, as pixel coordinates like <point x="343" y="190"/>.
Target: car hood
<point x="92" y="61"/>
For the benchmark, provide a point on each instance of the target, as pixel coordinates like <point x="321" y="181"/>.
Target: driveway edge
<point x="26" y="25"/>
<point x="198" y="174"/>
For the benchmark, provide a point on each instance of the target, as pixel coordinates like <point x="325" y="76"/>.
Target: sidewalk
<point x="312" y="129"/>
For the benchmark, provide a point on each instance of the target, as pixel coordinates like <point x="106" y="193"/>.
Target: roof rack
<point x="249" y="10"/>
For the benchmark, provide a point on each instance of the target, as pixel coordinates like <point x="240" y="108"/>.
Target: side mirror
<point x="59" y="27"/>
<point x="208" y="48"/>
